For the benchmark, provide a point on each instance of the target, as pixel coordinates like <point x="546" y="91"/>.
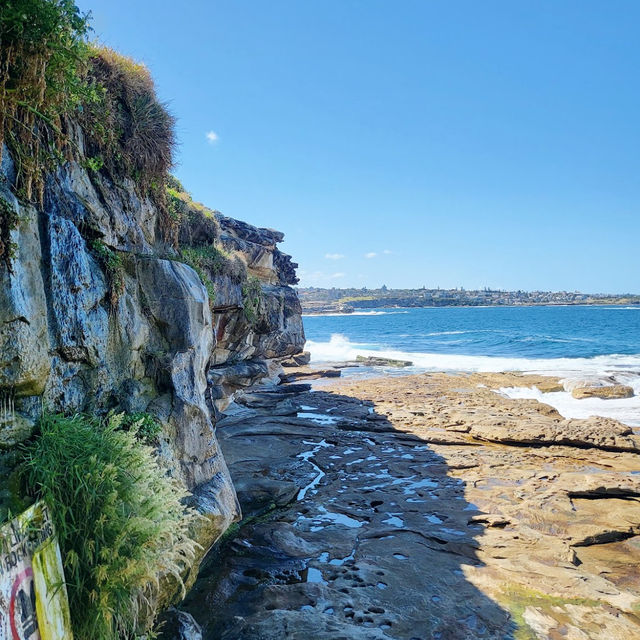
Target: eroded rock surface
<point x="425" y="507"/>
<point x="139" y="333"/>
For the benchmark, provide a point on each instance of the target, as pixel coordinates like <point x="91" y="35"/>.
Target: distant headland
<point x="319" y="300"/>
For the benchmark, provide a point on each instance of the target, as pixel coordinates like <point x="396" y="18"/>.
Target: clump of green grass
<point x="207" y="257"/>
<point x="189" y="223"/>
<point x="43" y="60"/>
<point x="209" y="261"/>
<point x="114" y="268"/>
<point x="119" y="520"/>
<point x="145" y="426"/>
<point x="8" y="222"/>
<point x="252" y="299"/>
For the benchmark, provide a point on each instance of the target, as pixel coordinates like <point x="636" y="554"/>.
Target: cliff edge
<point x="119" y="293"/>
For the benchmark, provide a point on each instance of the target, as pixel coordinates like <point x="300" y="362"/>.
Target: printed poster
<point x="33" y="596"/>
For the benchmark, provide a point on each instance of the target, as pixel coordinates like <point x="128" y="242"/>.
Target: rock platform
<point x="424" y="507"/>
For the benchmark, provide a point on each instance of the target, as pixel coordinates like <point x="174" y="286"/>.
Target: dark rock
<point x="78" y="333"/>
<point x="374" y="361"/>
<point x="297" y="360"/>
<point x="178" y="625"/>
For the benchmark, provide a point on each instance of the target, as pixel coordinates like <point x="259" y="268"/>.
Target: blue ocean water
<point x="522" y="332"/>
<point x="598" y="344"/>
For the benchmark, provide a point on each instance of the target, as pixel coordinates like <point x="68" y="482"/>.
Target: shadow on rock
<point x="352" y="530"/>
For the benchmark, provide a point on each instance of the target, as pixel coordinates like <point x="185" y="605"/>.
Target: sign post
<point x="33" y="596"/>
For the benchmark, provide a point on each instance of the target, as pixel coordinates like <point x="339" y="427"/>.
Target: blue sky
<point x="440" y="143"/>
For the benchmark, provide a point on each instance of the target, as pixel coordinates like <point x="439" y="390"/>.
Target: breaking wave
<point x="339" y="349"/>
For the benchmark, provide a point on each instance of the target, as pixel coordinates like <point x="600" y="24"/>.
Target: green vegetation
<point x="207" y="257"/>
<point x="129" y="132"/>
<point x="251" y="299"/>
<point x="43" y="62"/>
<point x="321" y="299"/>
<point x="143" y="425"/>
<point x="191" y="222"/>
<point x="195" y="230"/>
<point x="8" y="222"/>
<point x="114" y="268"/>
<point x="12" y="499"/>
<point x="51" y="78"/>
<point x="119" y="520"/>
<point x="517" y="599"/>
<point x="197" y="260"/>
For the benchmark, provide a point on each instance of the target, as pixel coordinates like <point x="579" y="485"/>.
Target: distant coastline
<point x="319" y="301"/>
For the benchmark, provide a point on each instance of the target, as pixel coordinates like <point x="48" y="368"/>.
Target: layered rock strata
<point x="425" y="507"/>
<point x="72" y="338"/>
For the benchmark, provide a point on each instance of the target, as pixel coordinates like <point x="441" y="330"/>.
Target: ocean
<point x="575" y="343"/>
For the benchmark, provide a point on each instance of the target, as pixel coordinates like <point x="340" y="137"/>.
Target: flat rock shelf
<point x="424" y="507"/>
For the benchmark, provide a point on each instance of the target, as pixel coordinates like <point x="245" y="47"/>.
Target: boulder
<point x="375" y="361"/>
<point x="608" y="392"/>
<point x="178" y="625"/>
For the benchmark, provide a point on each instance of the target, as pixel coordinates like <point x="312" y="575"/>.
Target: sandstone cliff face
<point x="161" y="347"/>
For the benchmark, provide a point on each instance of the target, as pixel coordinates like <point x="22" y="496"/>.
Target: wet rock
<point x="374" y="361"/>
<point x="607" y="392"/>
<point x="178" y="625"/>
<point x="418" y="517"/>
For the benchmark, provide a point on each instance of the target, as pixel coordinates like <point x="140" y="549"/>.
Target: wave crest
<point x="340" y="348"/>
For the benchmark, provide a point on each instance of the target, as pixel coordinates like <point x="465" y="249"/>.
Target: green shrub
<point x="43" y="57"/>
<point x="252" y="299"/>
<point x="119" y="520"/>
<point x="145" y="426"/>
<point x="190" y="223"/>
<point x="8" y="222"/>
<point x="50" y="77"/>
<point x="112" y="264"/>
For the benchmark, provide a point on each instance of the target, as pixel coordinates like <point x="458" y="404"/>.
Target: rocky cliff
<point x="99" y="312"/>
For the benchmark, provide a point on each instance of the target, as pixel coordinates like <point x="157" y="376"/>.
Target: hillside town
<point x="319" y="300"/>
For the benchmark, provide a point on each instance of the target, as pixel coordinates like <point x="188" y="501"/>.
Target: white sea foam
<point x="625" y="369"/>
<point x="340" y="349"/>
<point x="445" y="333"/>
<point x="354" y="313"/>
<point x="626" y="410"/>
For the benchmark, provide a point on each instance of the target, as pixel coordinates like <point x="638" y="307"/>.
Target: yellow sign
<point x="33" y="596"/>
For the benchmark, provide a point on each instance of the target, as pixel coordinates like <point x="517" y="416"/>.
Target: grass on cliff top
<point x="43" y="63"/>
<point x="192" y="223"/>
<point x="196" y="232"/>
<point x="119" y="520"/>
<point x="52" y="79"/>
<point x="128" y="130"/>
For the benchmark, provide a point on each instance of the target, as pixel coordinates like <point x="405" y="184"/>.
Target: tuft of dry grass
<point x="127" y="127"/>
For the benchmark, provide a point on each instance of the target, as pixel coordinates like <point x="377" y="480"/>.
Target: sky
<point x="409" y="143"/>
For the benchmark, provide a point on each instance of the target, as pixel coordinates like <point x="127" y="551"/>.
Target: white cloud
<point x="212" y="137"/>
<point x="333" y="256"/>
<point x="318" y="278"/>
<point x="371" y="254"/>
<point x="387" y="252"/>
